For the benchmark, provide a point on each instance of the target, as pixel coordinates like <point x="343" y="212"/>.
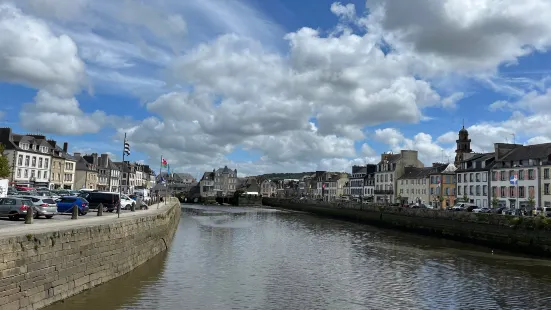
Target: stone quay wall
<point x="249" y="200"/>
<point x="44" y="263"/>
<point x="530" y="235"/>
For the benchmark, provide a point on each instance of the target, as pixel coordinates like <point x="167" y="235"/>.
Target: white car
<point x="127" y="202"/>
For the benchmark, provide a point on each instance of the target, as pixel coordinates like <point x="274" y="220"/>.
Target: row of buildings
<point x="512" y="176"/>
<point x="36" y="161"/>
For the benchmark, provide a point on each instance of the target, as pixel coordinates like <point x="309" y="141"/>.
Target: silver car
<point x="14" y="207"/>
<point x="44" y="206"/>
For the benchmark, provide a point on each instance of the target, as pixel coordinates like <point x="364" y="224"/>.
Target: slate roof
<point x="392" y="158"/>
<point x="481" y="157"/>
<point x="418" y="173"/>
<point x="535" y="151"/>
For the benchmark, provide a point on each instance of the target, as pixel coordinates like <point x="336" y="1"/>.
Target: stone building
<point x="86" y="174"/>
<point x="463" y="146"/>
<point x="206" y="185"/>
<point x="29" y="158"/>
<point x="62" y="171"/>
<point x="414" y="185"/>
<point x="225" y="181"/>
<point x="268" y="188"/>
<point x="369" y="185"/>
<point x="389" y="170"/>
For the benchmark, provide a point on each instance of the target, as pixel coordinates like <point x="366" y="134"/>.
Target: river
<point x="230" y="258"/>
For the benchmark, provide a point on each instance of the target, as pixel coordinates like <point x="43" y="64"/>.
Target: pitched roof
<point x="535" y="151"/>
<point x="417" y="173"/>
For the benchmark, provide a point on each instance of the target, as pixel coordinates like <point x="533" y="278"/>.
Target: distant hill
<point x="281" y="176"/>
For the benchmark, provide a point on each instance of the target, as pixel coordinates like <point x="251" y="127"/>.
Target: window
<point x="40" y="163"/>
<point x="546" y="189"/>
<point x="465" y="177"/>
<point x="19" y="172"/>
<point x="511" y="191"/>
<point x="485" y="190"/>
<point x="34" y="161"/>
<point x="459" y="190"/>
<point x="27" y="158"/>
<point x="521" y="174"/>
<point x="503" y="192"/>
<point x="32" y="173"/>
<point x="494" y="191"/>
<point x="45" y="174"/>
<point x="25" y="146"/>
<point x="503" y="176"/>
<point x="459" y="178"/>
<point x="546" y="173"/>
<point x="478" y="177"/>
<point x="20" y="160"/>
<point x="494" y="176"/>
<point x="521" y="192"/>
<point x="39" y="174"/>
<point x="26" y="174"/>
<point x="471" y="177"/>
<point x="478" y="190"/>
<point x="46" y="162"/>
<point x="530" y="174"/>
<point x="471" y="190"/>
<point x="511" y="174"/>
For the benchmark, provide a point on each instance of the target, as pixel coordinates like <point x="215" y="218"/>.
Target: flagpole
<point x="120" y="177"/>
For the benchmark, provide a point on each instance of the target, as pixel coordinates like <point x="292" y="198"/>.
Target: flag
<point x="126" y="148"/>
<point x="513" y="180"/>
<point x="164" y="163"/>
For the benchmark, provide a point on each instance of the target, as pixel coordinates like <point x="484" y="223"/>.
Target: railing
<point x="384" y="192"/>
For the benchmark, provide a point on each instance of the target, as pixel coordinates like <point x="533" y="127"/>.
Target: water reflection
<point x="252" y="259"/>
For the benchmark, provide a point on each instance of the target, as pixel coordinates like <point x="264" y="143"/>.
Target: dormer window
<point x="24" y="146"/>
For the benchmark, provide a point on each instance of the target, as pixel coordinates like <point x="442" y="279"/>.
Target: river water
<point x="231" y="258"/>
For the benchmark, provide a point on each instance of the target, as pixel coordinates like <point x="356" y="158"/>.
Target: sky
<point x="276" y="86"/>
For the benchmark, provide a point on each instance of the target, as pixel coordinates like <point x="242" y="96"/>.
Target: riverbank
<point x="42" y="264"/>
<point x="530" y="235"/>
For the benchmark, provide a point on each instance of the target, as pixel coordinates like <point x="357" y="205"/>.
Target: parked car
<point x="481" y="210"/>
<point x="15" y="207"/>
<point x="127" y="202"/>
<point x="65" y="204"/>
<point x="109" y="200"/>
<point x="45" y="206"/>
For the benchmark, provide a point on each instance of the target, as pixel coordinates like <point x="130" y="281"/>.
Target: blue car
<point x="65" y="204"/>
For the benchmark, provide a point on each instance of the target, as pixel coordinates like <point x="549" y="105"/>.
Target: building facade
<point x="29" y="158"/>
<point x="517" y="174"/>
<point x="268" y="188"/>
<point x="225" y="181"/>
<point x="443" y="186"/>
<point x="414" y="186"/>
<point x="389" y="169"/>
<point x="369" y="186"/>
<point x="206" y="185"/>
<point x="473" y="179"/>
<point x="86" y="174"/>
<point x="356" y="182"/>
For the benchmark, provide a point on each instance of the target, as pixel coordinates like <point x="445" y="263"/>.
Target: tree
<point x="465" y="198"/>
<point x="531" y="201"/>
<point x="495" y="202"/>
<point x="4" y="164"/>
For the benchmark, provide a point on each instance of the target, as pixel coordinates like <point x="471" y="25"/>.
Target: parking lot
<point x="5" y="222"/>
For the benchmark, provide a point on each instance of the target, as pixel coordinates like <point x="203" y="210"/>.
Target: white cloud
<point x="218" y="76"/>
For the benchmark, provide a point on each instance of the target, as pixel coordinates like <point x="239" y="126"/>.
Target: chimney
<point x="65" y="147"/>
<point x="95" y="159"/>
<point x="76" y="154"/>
<point x="104" y="160"/>
<point x="5" y="134"/>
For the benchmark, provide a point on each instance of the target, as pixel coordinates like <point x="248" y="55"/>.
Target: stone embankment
<point x="42" y="264"/>
<point x="521" y="234"/>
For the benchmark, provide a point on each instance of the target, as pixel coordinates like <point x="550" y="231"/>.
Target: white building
<point x="389" y="169"/>
<point x="473" y="179"/>
<point x="414" y="185"/>
<point x="369" y="186"/>
<point x="29" y="158"/>
<point x="513" y="161"/>
<point x="356" y="182"/>
<point x="545" y="185"/>
<point x="268" y="188"/>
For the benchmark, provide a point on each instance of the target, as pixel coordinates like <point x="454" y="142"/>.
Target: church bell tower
<point x="463" y="146"/>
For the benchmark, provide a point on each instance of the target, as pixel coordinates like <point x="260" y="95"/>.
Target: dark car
<point x="66" y="204"/>
<point x="109" y="200"/>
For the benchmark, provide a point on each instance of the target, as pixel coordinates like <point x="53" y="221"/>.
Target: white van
<point x="144" y="194"/>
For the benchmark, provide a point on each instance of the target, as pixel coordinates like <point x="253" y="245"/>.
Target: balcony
<point x="384" y="192"/>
